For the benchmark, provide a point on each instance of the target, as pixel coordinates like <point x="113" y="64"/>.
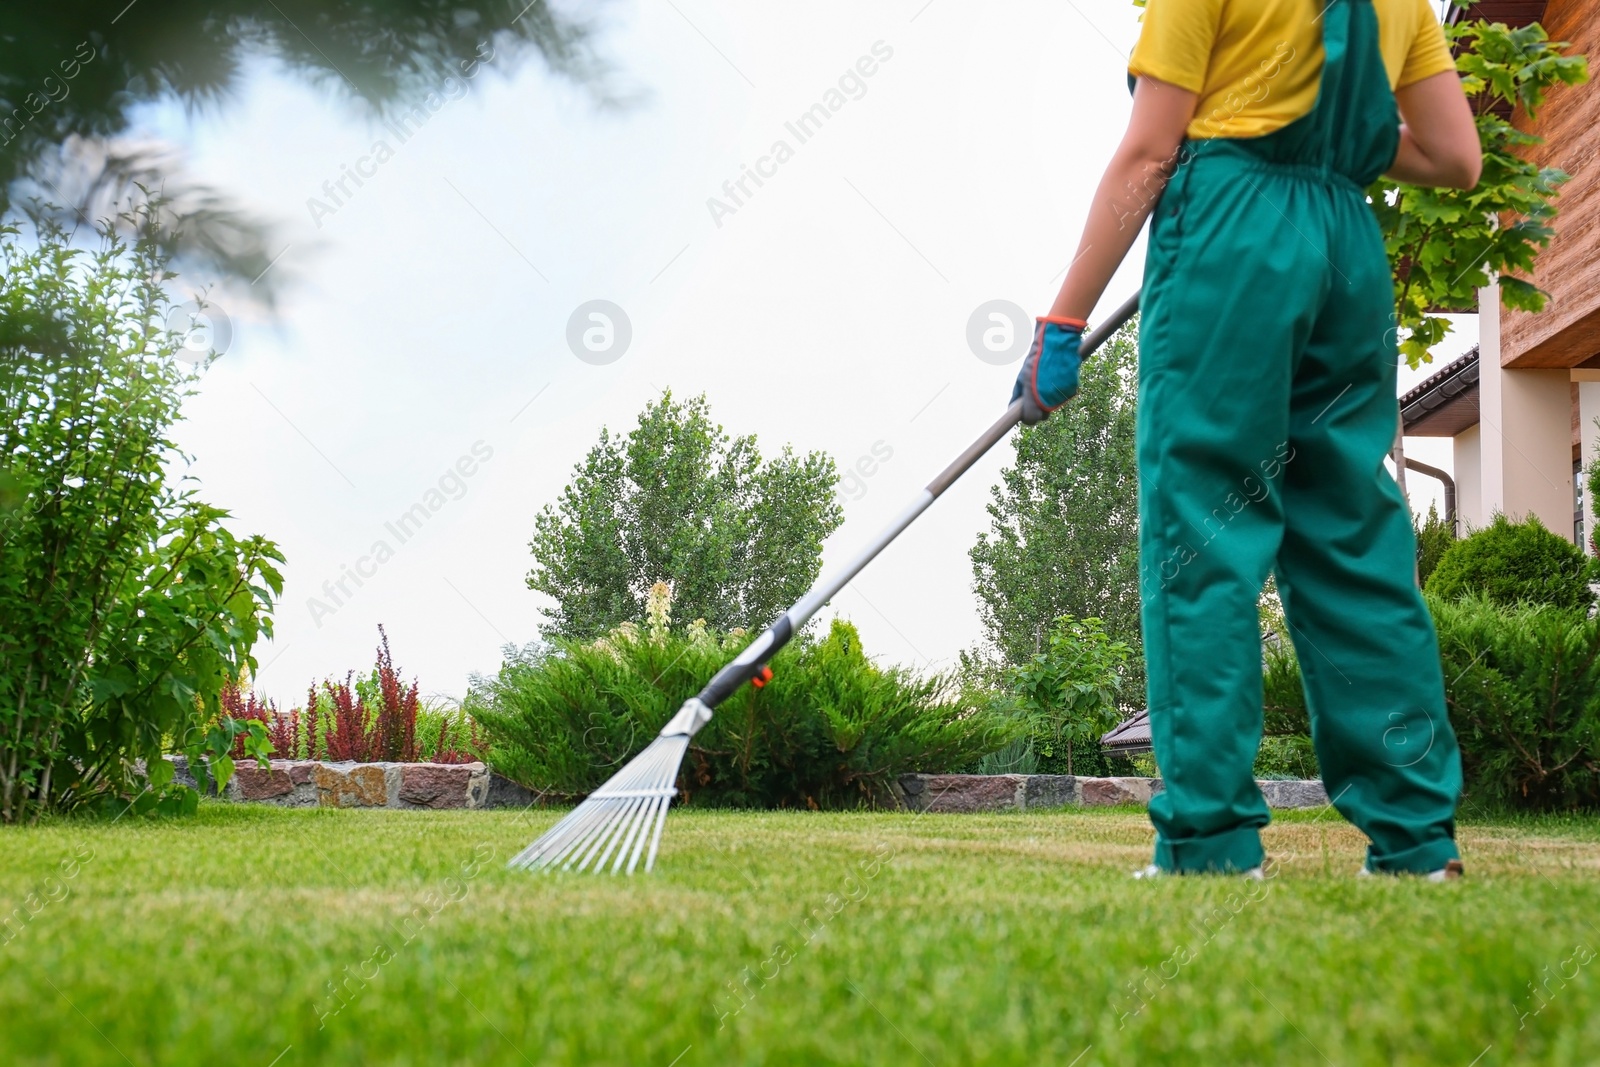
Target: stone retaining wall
<point x="1006" y="792"/>
<point x="313" y="783"/>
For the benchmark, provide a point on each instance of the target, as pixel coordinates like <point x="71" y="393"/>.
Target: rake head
<point x="627" y="813"/>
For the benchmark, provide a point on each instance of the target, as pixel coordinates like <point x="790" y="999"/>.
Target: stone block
<point x="1050" y="791"/>
<point x="477" y="785"/>
<point x="502" y="792"/>
<point x="434" y="785"/>
<point x="1098" y="792"/>
<point x="258" y="783"/>
<point x="350" y="785"/>
<point x="1294" y="794"/>
<point x="972" y="792"/>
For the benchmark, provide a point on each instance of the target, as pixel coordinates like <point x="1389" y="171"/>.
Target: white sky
<point x="429" y="312"/>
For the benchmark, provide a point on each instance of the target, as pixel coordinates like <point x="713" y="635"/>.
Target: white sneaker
<point x="1254" y="874"/>
<point x="1450" y="872"/>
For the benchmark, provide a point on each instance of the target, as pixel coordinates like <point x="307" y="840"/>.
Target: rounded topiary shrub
<point x="1514" y="563"/>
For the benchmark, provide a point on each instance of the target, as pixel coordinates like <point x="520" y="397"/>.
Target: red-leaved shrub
<point x="447" y="752"/>
<point x="350" y="720"/>
<point x="237" y="704"/>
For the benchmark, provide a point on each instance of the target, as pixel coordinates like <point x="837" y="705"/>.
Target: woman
<point x="1267" y="403"/>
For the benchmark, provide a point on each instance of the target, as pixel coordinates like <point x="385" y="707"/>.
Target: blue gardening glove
<point x="1049" y="376"/>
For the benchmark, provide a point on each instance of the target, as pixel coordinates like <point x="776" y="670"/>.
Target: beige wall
<point x="1467" y="463"/>
<point x="1525" y="426"/>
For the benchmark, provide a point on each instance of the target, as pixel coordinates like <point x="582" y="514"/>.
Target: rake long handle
<point x="750" y="662"/>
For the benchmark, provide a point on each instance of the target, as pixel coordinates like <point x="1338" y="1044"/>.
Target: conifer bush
<point x="1514" y="563"/>
<point x="1522" y="689"/>
<point x="831" y="729"/>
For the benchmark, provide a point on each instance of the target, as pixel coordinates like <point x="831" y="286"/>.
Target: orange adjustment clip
<point x="762" y="678"/>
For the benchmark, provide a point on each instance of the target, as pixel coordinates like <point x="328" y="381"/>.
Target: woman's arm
<point x="1132" y="183"/>
<point x="1439" y="140"/>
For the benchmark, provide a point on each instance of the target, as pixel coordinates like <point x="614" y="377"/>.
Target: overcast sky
<point x="423" y="329"/>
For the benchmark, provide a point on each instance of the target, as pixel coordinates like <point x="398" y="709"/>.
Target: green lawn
<point x="783" y="938"/>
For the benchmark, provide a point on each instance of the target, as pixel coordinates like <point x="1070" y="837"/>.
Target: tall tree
<point x="678" y="500"/>
<point x="1064" y="520"/>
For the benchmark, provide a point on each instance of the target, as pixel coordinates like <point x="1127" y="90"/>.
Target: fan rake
<point x="621" y="822"/>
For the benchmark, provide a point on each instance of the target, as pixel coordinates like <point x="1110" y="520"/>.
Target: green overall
<point x="1266" y="407"/>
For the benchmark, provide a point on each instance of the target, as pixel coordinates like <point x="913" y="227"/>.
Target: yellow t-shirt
<point x="1257" y="64"/>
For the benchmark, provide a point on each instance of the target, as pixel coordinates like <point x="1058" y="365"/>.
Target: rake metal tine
<point x="631" y="843"/>
<point x="655" y="840"/>
<point x="556" y="840"/>
<point x="657" y="811"/>
<point x="616" y="810"/>
<point x="642" y="832"/>
<point x="614" y="832"/>
<point x="578" y="836"/>
<point x="592" y="835"/>
<point x="625" y="831"/>
<point x="666" y="804"/>
<point x="563" y="832"/>
<point x="584" y="820"/>
<point x="573" y="831"/>
<point x="529" y="856"/>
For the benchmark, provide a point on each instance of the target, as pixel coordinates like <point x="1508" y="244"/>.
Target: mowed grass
<point x="784" y="938"/>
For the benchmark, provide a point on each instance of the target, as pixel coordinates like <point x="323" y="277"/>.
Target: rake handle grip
<point x="748" y="663"/>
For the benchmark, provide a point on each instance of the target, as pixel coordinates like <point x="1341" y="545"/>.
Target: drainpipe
<point x="1449" y="489"/>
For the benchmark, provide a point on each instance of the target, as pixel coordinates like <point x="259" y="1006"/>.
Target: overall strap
<point x="1351" y="132"/>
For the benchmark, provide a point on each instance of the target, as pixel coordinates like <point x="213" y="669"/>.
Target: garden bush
<point x="1523" y="687"/>
<point x="126" y="604"/>
<point x="1063" y="699"/>
<point x="1283" y="697"/>
<point x="831" y="729"/>
<point x="1288" y="756"/>
<point x="1434" y="538"/>
<point x="1512" y="563"/>
<point x="1591" y="481"/>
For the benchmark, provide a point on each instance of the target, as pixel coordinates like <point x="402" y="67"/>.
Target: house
<point x="1521" y="408"/>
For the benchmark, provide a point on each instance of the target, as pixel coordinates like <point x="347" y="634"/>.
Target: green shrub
<point x="1066" y="696"/>
<point x="127" y="606"/>
<point x="447" y="734"/>
<point x="1288" y="756"/>
<point x="1523" y="687"/>
<point x="1286" y="750"/>
<point x="1434" y="538"/>
<point x="1283" y="696"/>
<point x="831" y="729"/>
<point x="1513" y="563"/>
